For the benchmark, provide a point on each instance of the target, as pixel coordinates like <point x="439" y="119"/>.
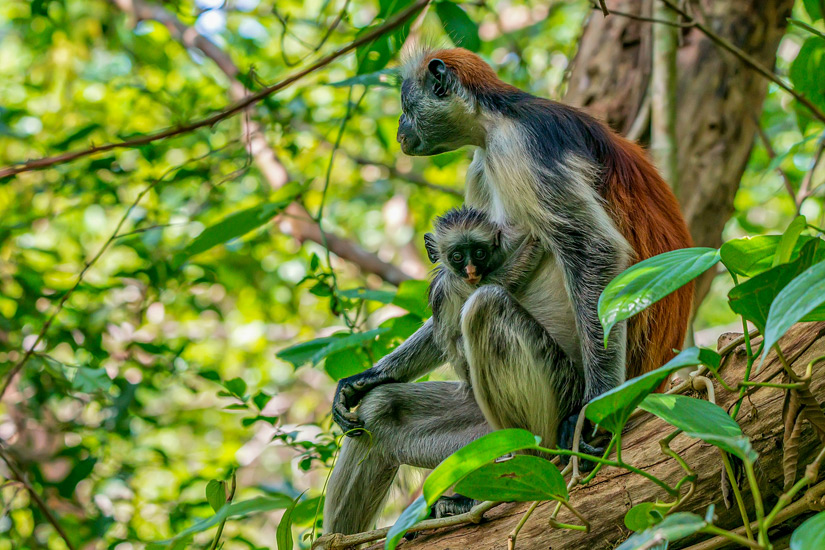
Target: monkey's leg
<point x="520" y="376"/>
<point x="416" y="424"/>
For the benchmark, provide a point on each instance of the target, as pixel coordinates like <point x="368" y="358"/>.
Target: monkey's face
<point x="473" y="261"/>
<point x="436" y="116"/>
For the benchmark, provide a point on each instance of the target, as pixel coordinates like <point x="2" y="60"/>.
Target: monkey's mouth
<point x="474" y="280"/>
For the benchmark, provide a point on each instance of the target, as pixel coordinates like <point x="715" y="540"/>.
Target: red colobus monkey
<point x="593" y="202"/>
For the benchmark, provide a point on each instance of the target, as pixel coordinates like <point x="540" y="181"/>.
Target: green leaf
<point x="807" y="69"/>
<point x="242" y="222"/>
<point x="643" y="516"/>
<point x="522" y="478"/>
<point x="216" y="494"/>
<point x="381" y="296"/>
<point x="814" y="9"/>
<point x="89" y="380"/>
<point x="612" y="409"/>
<point x="647" y="282"/>
<point x="788" y="241"/>
<point x="346" y="363"/>
<point x="261" y="399"/>
<point x="414" y="297"/>
<point x="300" y="354"/>
<point x="347" y="342"/>
<point x="811" y="534"/>
<point x="236" y="387"/>
<point x="246" y="422"/>
<point x="462" y="30"/>
<point x="751" y="256"/>
<point x="703" y="420"/>
<point x="456" y="467"/>
<point x="752" y="299"/>
<point x="235" y="509"/>
<point x="283" y="535"/>
<point x="794" y="303"/>
<point x="672" y="528"/>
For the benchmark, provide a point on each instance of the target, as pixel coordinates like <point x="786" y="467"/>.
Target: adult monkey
<point x="593" y="201"/>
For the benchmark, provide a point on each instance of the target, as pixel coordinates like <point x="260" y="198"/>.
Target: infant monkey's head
<point x="466" y="242"/>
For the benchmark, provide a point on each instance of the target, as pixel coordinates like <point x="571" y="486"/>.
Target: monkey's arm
<point x="522" y="264"/>
<point x="418" y="355"/>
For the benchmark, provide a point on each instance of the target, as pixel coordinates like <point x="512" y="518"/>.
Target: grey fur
<point x="529" y="353"/>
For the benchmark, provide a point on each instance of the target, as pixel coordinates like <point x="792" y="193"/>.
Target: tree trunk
<point x="606" y="500"/>
<point x="718" y="98"/>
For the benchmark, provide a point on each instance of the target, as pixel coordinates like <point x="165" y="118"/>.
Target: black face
<point x="474" y="260"/>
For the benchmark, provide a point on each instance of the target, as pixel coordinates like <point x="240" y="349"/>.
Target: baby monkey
<point x="472" y="250"/>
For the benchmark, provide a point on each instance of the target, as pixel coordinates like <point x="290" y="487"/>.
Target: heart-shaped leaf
<point x="216" y="494"/>
<point x="643" y="516"/>
<point x="611" y="409"/>
<point x="647" y="282"/>
<point x="752" y="299"/>
<point x="703" y="420"/>
<point x="522" y="478"/>
<point x="811" y="534"/>
<point x="794" y="303"/>
<point x="453" y="469"/>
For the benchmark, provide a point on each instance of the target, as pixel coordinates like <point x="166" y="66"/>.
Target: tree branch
<point x="747" y="59"/>
<point x="297" y="222"/>
<point x="18" y="475"/>
<point x="399" y="19"/>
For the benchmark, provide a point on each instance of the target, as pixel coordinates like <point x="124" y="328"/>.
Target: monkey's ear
<point x="439" y="71"/>
<point x="432" y="249"/>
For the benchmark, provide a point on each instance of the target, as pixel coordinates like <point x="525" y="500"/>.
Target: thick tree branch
<point x="297" y="221"/>
<point x="393" y="23"/>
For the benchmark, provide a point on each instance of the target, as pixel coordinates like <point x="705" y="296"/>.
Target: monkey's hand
<point x="567" y="430"/>
<point x="348" y="395"/>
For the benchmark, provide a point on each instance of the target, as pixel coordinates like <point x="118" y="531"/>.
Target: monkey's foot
<point x="567" y="431"/>
<point x="445" y="506"/>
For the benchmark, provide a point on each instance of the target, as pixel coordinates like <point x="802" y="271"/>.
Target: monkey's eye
<point x="479" y="254"/>
<point x="457" y="257"/>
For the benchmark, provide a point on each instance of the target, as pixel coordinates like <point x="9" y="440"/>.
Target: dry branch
<point x="611" y="494"/>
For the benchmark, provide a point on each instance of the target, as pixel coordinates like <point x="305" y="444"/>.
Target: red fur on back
<point x="648" y="215"/>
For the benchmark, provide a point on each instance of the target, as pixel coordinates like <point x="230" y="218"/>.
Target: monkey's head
<point x="467" y="243"/>
<point x="442" y="92"/>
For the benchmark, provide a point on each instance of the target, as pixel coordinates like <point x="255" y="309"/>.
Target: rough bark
<point x="718" y="98"/>
<point x="612" y="493"/>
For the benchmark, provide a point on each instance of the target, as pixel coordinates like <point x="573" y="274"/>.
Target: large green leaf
<point x="797" y="301"/>
<point x="453" y="469"/>
<point x="751" y="256"/>
<point x="611" y="409"/>
<point x="753" y="298"/>
<point x="788" y="241"/>
<point x="522" y="478"/>
<point x="413" y="296"/>
<point x="242" y="222"/>
<point x="462" y="30"/>
<point x="236" y="509"/>
<point x="807" y="69"/>
<point x="647" y="282"/>
<point x="302" y="353"/>
<point x="810" y="535"/>
<point x="283" y="535"/>
<point x="703" y="420"/>
<point x="355" y="339"/>
<point x="672" y="528"/>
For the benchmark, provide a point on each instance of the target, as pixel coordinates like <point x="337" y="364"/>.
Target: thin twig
<point x="337" y="540"/>
<point x="637" y="17"/>
<point x="805" y="189"/>
<point x="399" y="19"/>
<point x="19" y="476"/>
<point x="511" y="539"/>
<point x="772" y="154"/>
<point x="747" y="59"/>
